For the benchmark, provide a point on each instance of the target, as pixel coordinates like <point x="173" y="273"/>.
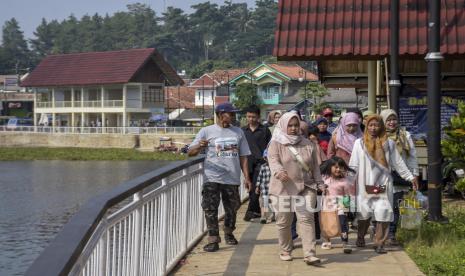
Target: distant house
<point x="116" y="88"/>
<point x="212" y="88"/>
<point x="179" y="97"/>
<point x="278" y="85"/>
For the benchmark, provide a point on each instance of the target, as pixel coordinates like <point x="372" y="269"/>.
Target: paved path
<point x="257" y="254"/>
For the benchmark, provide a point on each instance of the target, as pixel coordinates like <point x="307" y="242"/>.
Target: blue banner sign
<point x="412" y="114"/>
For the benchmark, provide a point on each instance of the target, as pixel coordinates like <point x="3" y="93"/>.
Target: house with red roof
<point x="112" y="89"/>
<point x="213" y="87"/>
<point x="279" y="86"/>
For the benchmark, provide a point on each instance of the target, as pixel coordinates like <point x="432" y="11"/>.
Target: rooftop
<point x="93" y="68"/>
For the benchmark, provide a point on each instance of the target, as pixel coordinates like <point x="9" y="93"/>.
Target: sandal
<point x="285" y="256"/>
<point x="326" y="246"/>
<point x="312" y="260"/>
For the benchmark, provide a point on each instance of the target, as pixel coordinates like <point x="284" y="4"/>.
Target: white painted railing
<point x="113" y="103"/>
<point x="91" y="104"/>
<point x="44" y="104"/>
<point x="99" y="130"/>
<point x="145" y="229"/>
<point x="61" y="104"/>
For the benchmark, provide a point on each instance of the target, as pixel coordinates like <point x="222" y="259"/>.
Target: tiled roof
<point x="97" y="68"/>
<point x="293" y="71"/>
<point x="218" y="76"/>
<point x="184" y="97"/>
<point x="333" y="28"/>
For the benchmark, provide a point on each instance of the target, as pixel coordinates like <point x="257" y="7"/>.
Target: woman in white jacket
<point x="406" y="148"/>
<point x="373" y="157"/>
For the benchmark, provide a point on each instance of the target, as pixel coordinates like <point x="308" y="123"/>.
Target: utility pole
<point x="433" y="59"/>
<point x="394" y="82"/>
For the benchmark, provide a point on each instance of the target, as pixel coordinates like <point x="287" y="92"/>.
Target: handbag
<point x="329" y="222"/>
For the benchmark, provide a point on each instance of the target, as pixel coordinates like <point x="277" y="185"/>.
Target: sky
<point x="29" y="13"/>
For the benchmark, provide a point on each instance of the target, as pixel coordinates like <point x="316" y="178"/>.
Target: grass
<point x="83" y="154"/>
<point x="438" y="249"/>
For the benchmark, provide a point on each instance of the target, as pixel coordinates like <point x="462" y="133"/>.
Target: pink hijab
<point x="345" y="140"/>
<point x="280" y="131"/>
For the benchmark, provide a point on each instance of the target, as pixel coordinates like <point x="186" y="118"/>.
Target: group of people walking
<point x="287" y="163"/>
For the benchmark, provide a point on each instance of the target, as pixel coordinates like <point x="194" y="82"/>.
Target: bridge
<point x="154" y="225"/>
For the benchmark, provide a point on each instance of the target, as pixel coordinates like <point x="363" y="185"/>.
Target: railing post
<point x="185" y="173"/>
<point x="138" y="233"/>
<point x="103" y="254"/>
<point x="164" y="233"/>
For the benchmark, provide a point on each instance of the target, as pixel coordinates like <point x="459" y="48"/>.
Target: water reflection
<point x="38" y="197"/>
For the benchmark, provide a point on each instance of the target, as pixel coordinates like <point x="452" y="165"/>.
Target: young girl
<point x="339" y="189"/>
<point x="263" y="182"/>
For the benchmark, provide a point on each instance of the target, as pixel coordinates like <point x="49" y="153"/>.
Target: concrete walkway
<point x="257" y="254"/>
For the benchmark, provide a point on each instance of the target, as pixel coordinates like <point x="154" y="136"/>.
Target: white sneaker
<point x="326" y="246"/>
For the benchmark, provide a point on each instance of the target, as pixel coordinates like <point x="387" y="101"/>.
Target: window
<point x="153" y="94"/>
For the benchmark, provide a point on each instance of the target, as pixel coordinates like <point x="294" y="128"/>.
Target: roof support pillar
<point x="394" y="82"/>
<point x="434" y="58"/>
<point x="372" y="85"/>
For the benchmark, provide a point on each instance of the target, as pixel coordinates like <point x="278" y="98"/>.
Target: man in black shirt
<point x="258" y="137"/>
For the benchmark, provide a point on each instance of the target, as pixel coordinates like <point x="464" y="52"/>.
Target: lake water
<point x="38" y="197"/>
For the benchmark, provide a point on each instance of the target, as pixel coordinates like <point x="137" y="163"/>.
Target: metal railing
<point x="143" y="227"/>
<point x="113" y="103"/>
<point x="99" y="130"/>
<point x="61" y="104"/>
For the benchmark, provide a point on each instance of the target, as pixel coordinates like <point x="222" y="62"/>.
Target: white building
<point x="116" y="88"/>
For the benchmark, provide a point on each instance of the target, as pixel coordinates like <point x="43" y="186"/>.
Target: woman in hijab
<point x="273" y="118"/>
<point x="295" y="176"/>
<point x="373" y="157"/>
<point x="343" y="139"/>
<point x="406" y="148"/>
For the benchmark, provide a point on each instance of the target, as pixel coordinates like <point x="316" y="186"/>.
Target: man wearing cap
<point x="226" y="151"/>
<point x="328" y="114"/>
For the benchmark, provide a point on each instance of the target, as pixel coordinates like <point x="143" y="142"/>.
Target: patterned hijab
<point x="344" y="139"/>
<point x="280" y="132"/>
<point x="397" y="134"/>
<point x="375" y="146"/>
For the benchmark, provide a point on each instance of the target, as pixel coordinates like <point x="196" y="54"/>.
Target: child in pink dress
<point x="337" y="195"/>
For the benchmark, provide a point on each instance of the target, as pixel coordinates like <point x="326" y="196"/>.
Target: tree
<point x="452" y="145"/>
<point x="316" y="93"/>
<point x="45" y="35"/>
<point x="245" y="95"/>
<point x="14" y="48"/>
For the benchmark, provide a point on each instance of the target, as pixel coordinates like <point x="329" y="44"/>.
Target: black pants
<point x="344" y="222"/>
<point x="212" y="193"/>
<point x="393" y="225"/>
<point x="254" y="198"/>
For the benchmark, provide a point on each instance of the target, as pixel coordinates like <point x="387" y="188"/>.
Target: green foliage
<point x="212" y="36"/>
<point x="452" y="145"/>
<point x="8" y="154"/>
<point x="15" y="53"/>
<point x="460" y="185"/>
<point x="316" y="92"/>
<point x="245" y="95"/>
<point x="438" y="249"/>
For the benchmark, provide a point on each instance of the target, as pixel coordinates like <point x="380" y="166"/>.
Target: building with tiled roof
<point x="212" y="88"/>
<point x="278" y="85"/>
<point x="115" y="88"/>
<point x="346" y="36"/>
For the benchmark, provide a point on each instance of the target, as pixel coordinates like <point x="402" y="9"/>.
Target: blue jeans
<point x="393" y="225"/>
